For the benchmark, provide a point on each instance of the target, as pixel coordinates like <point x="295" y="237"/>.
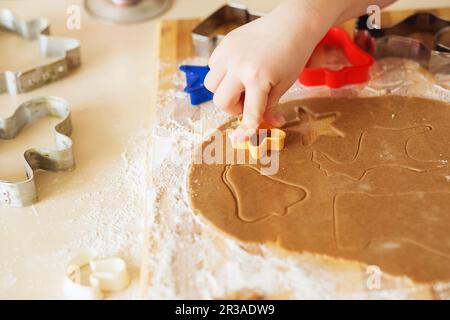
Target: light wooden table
<point x="101" y="204"/>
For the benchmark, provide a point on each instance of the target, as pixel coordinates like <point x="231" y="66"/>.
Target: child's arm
<point x="264" y="58"/>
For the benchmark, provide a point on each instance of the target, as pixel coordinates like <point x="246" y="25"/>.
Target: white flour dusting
<point x="119" y="225"/>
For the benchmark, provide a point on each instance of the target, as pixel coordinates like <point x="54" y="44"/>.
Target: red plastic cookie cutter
<point x="358" y="72"/>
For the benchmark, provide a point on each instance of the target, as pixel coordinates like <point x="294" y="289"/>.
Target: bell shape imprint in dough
<point x="251" y="189"/>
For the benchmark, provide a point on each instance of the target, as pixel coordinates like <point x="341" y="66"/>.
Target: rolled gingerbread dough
<point x="363" y="179"/>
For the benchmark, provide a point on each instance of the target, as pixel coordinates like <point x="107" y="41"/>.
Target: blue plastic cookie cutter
<point x="195" y="76"/>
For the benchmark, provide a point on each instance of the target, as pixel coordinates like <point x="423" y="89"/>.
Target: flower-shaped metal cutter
<point x="23" y="193"/>
<point x="65" y="54"/>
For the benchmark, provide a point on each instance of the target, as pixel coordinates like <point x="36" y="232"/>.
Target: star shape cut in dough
<point x="319" y="126"/>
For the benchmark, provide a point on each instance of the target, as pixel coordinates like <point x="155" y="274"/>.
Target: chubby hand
<point x="257" y="63"/>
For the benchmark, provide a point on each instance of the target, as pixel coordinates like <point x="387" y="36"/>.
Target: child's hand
<point x="257" y="63"/>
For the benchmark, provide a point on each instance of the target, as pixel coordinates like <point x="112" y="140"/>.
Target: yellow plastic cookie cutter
<point x="266" y="139"/>
<point x="24" y="193"/>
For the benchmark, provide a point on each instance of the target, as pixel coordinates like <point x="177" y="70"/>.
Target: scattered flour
<point x="118" y="220"/>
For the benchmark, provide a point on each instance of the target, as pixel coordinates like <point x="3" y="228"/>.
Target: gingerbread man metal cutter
<point x="23" y="193"/>
<point x="65" y="53"/>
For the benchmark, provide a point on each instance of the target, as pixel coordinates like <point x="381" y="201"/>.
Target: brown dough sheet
<point x="363" y="179"/>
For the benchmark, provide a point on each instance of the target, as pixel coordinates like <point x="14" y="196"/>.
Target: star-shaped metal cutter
<point x="64" y="51"/>
<point x="23" y="193"/>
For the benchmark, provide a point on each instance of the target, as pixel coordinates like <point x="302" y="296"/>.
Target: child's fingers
<point x="238" y="107"/>
<point x="228" y="94"/>
<point x="277" y="92"/>
<point x="274" y="119"/>
<point x="213" y="79"/>
<point x="241" y="133"/>
<point x="254" y="106"/>
<point x="219" y="55"/>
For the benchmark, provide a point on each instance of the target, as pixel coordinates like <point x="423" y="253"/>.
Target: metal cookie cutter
<point x="207" y="35"/>
<point x="65" y="51"/>
<point x="265" y="140"/>
<point x="400" y="41"/>
<point x="23" y="193"/>
<point x="443" y="40"/>
<point x="106" y="275"/>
